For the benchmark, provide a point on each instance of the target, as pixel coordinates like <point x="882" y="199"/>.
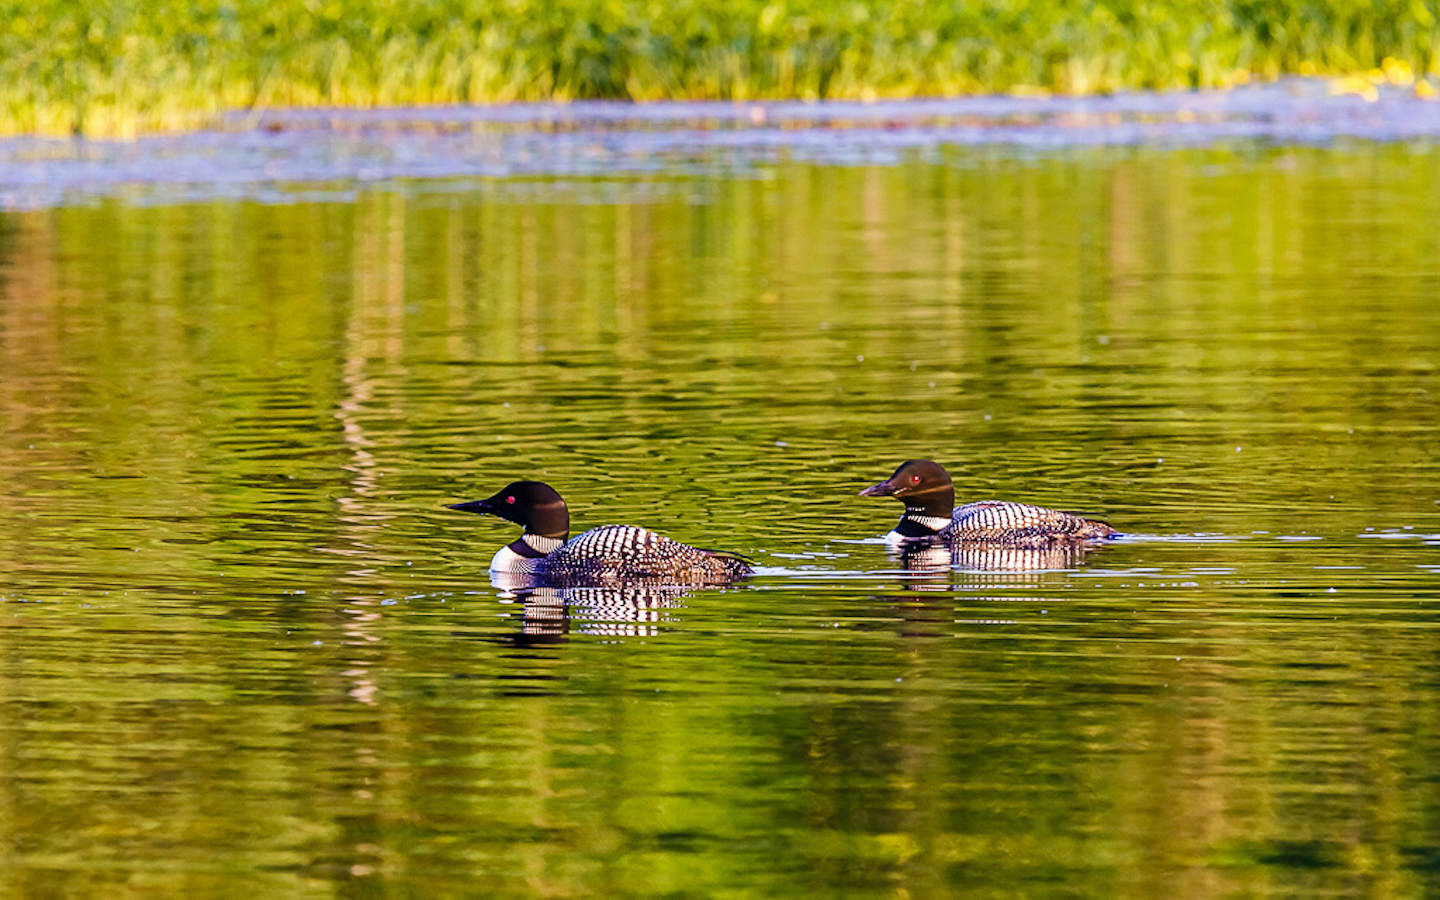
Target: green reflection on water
<point x="247" y="644"/>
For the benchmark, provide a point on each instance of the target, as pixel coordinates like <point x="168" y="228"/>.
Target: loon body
<point x="930" y="514"/>
<point x="610" y="553"/>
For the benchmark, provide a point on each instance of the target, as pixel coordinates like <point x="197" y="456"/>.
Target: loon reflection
<point x="549" y="613"/>
<point x="938" y="555"/>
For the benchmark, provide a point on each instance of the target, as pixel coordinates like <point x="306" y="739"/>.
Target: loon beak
<point x="883" y="489"/>
<point x="475" y="506"/>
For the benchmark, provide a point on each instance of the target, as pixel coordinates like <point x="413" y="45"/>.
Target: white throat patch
<point x="542" y="544"/>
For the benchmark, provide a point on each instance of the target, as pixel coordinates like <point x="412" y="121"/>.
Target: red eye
<point x="510" y="499"/>
<point x="914" y="479"/>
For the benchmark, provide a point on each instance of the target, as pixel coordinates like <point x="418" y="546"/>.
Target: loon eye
<point x="510" y="499"/>
<point x="914" y="479"/>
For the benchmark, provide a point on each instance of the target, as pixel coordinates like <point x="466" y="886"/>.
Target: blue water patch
<point x="310" y="155"/>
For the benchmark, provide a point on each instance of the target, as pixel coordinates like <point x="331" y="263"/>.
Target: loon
<point x="930" y="513"/>
<point x="610" y="553"/>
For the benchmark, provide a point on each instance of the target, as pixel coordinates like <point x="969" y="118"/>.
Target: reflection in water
<point x="550" y="613"/>
<point x="288" y="155"/>
<point x="939" y="555"/>
<point x="356" y="524"/>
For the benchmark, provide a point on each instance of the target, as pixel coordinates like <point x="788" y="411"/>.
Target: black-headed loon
<point x="606" y="554"/>
<point x="924" y="487"/>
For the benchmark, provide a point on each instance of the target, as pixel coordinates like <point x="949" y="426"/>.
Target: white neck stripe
<point x="934" y="523"/>
<point x="545" y="545"/>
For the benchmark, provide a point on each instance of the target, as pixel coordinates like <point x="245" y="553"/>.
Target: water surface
<point x="248" y="648"/>
<point x="284" y="156"/>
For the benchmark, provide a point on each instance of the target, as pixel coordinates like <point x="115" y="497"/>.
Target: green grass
<point x="127" y="66"/>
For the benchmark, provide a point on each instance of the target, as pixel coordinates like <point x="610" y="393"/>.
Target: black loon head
<point x="534" y="504"/>
<point x="922" y="485"/>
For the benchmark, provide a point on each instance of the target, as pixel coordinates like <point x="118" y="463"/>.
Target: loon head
<point x="533" y="504"/>
<point x="923" y="486"/>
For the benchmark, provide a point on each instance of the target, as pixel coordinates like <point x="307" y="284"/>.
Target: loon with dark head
<point x="610" y="553"/>
<point x="924" y="487"/>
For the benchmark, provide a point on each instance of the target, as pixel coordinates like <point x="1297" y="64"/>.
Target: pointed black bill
<point x="883" y="489"/>
<point x="475" y="506"/>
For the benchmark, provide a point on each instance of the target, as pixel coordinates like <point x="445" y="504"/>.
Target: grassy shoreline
<point x="127" y="67"/>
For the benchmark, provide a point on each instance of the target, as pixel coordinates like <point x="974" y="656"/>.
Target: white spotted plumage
<point x="629" y="552"/>
<point x="1020" y="524"/>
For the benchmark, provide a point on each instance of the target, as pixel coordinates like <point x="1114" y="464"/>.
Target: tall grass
<point x="127" y="66"/>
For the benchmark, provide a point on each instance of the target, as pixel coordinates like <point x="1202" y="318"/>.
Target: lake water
<point x="246" y="648"/>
